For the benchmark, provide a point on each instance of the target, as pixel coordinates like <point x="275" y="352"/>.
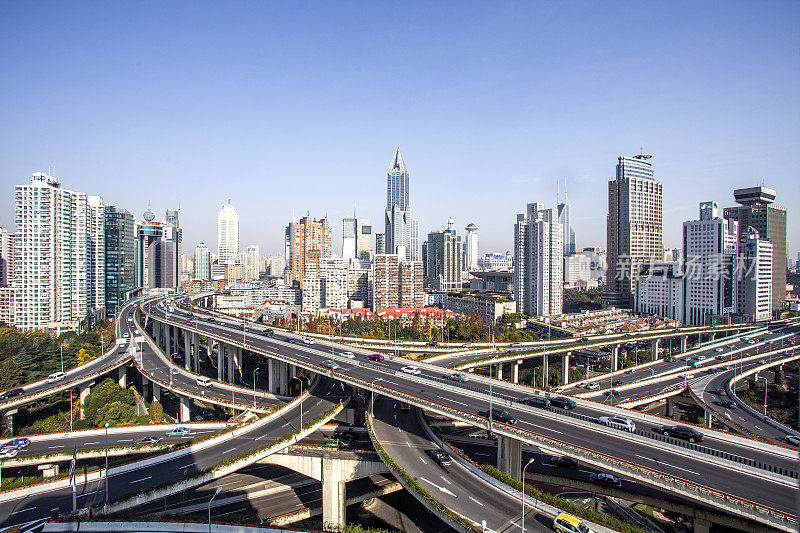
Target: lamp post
<point x="766" y="386"/>
<point x="523" y="492"/>
<point x="106" y="463"/>
<point x="61" y="349"/>
<point x="209" y="507"/>
<point x="254" y="384"/>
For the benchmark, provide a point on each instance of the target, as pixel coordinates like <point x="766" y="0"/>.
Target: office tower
<point x="6" y="257"/>
<point x="356" y="233"/>
<point x="569" y="233"/>
<point x="306" y="243"/>
<point x="228" y="234"/>
<point x="471" y="248"/>
<point x="660" y="290"/>
<point x="756" y="255"/>
<point x="397" y="282"/>
<point x="250" y="261"/>
<point x="577" y="269"/>
<point x="710" y="251"/>
<point x="157" y="253"/>
<point x="756" y="210"/>
<point x="202" y="262"/>
<point x="401" y="230"/>
<point x="443" y="255"/>
<point x="57" y="247"/>
<point x="538" y="262"/>
<point x="380" y="243"/>
<point x="120" y="244"/>
<point x="634" y="227"/>
<point x="173" y="217"/>
<point x="173" y="236"/>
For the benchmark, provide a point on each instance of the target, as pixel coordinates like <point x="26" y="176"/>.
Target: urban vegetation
<point x="576" y="300"/>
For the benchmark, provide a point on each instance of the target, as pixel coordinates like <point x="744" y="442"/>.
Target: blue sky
<point x="300" y="105"/>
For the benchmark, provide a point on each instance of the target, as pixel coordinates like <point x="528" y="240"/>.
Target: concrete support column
<point x="231" y="364"/>
<point x="654" y="344"/>
<point x="565" y="368"/>
<point x="701" y="526"/>
<point x="515" y="370"/>
<point x="195" y="351"/>
<point x="157" y="333"/>
<point x="545" y="372"/>
<point x="292" y="371"/>
<point x="707" y="418"/>
<point x="670" y="407"/>
<point x="614" y="358"/>
<point x="220" y="361"/>
<point x="187" y="350"/>
<point x="684" y="343"/>
<point x="85" y="390"/>
<point x="334" y="495"/>
<point x="509" y="456"/>
<point x="123" y="377"/>
<point x="184" y="414"/>
<point x="712" y="337"/>
<point x="500" y="371"/>
<point x="284" y="375"/>
<point x="156" y="392"/>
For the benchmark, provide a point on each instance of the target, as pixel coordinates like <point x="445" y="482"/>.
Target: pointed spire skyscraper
<point x="400" y="229"/>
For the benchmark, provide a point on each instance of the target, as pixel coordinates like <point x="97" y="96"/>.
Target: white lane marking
<point x="667" y="464"/>
<point x="407" y="444"/>
<point x="423" y="461"/>
<point x="125" y="440"/>
<point x="479" y="453"/>
<point x="227" y="451"/>
<point x="261" y="437"/>
<point x="538" y="426"/>
<point x="758" y="428"/>
<point x="476" y="501"/>
<point x="138" y="480"/>
<point x="445" y="479"/>
<point x="286" y="424"/>
<point x="23" y="510"/>
<point x="86" y="493"/>
<point x="88" y="443"/>
<point x="319" y="402"/>
<point x="443" y="489"/>
<point x="586" y="471"/>
<point x="51" y="447"/>
<point x="399" y="430"/>
<point x="512" y="522"/>
<point x="190" y="464"/>
<point x="459" y="403"/>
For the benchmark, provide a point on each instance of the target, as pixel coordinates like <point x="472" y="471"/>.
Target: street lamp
<point x="106" y="463"/>
<point x="209" y="507"/>
<point x="766" y="386"/>
<point x="530" y="462"/>
<point x="254" y="384"/>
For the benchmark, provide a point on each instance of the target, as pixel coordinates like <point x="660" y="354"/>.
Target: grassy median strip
<point x="566" y="505"/>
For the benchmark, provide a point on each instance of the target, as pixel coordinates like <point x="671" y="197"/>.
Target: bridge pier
<point x="614" y="358"/>
<point x="187" y="350"/>
<point x="701" y="526"/>
<point x="195" y="349"/>
<point x="712" y="337"/>
<point x="500" y="371"/>
<point x="654" y="344"/>
<point x="509" y="456"/>
<point x="684" y="342"/>
<point x="85" y="390"/>
<point x="707" y="418"/>
<point x="670" y="407"/>
<point x="220" y="362"/>
<point x="545" y="372"/>
<point x="123" y="376"/>
<point x="515" y="370"/>
<point x="565" y="368"/>
<point x="184" y="413"/>
<point x="334" y="494"/>
<point x="278" y="379"/>
<point x="156" y="393"/>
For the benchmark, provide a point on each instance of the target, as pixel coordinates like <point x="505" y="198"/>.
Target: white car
<point x="701" y="357"/>
<point x="306" y="340"/>
<point x="57" y="376"/>
<point x="751" y="342"/>
<point x="618" y="423"/>
<point x="349" y="355"/>
<point x="411" y="370"/>
<point x="8" y="451"/>
<point x="593" y="385"/>
<point x="720" y="349"/>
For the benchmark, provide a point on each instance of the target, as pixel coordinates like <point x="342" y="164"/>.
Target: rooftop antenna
<point x="566" y="200"/>
<point x="557" y="197"/>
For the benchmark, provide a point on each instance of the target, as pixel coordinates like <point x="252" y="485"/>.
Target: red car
<point x="375" y="357"/>
<point x="188" y="322"/>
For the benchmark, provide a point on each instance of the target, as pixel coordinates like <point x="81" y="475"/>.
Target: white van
<point x="58" y="376"/>
<point x="203" y="381"/>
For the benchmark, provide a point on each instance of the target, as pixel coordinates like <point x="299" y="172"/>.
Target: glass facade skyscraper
<point x="119" y="257"/>
<point x="401" y="230"/>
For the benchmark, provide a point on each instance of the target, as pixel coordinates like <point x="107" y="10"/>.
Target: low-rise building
<point x="487" y="307"/>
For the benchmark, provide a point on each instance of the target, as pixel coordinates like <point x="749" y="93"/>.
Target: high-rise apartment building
<point x="359" y="283"/>
<point x="120" y="245"/>
<point x="356" y="234"/>
<point x="6" y="257"/>
<point x="275" y="265"/>
<point x="443" y="256"/>
<point x="397" y="282"/>
<point x="306" y="243"/>
<point x="251" y="262"/>
<point x="538" y="262"/>
<point x="634" y="227"/>
<point x="401" y="230"/>
<point x="569" y="233"/>
<point x="228" y="234"/>
<point x="380" y="243"/>
<point x="59" y="240"/>
<point x="710" y="268"/>
<point x="756" y="210"/>
<point x="756" y="282"/>
<point x="202" y="262"/>
<point x="471" y="248"/>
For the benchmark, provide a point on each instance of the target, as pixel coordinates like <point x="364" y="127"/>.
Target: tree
<point x="115" y="414"/>
<point x="10" y="375"/>
<point x="102" y="395"/>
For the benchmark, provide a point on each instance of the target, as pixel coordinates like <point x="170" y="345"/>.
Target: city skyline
<point x="741" y="135"/>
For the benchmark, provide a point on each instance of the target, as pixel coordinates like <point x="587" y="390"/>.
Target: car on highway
<point x="566" y="523"/>
<point x="55" y="376"/>
<point x="563" y="403"/>
<point x="720" y="349"/>
<point x="701" y="357"/>
<point x="682" y="432"/>
<point x="794" y="440"/>
<point x="762" y="361"/>
<point x="514" y="345"/>
<point x="535" y="401"/>
<point x="8" y="451"/>
<point x="612" y="392"/>
<point x="203" y="381"/>
<point x="211" y="319"/>
<point x="267" y="333"/>
<point x="466" y="345"/>
<point x="178" y="432"/>
<point x="630" y="371"/>
<point x="606" y="480"/>
<point x="720" y="391"/>
<point x="432" y="343"/>
<point x="148" y="440"/>
<point x="751" y="342"/>
<point x="618" y="422"/>
<point x="188" y="323"/>
<point x="711" y="370"/>
<point x="593" y="385"/>
<point x="11" y="393"/>
<point x="337" y="443"/>
<point x="728" y="404"/>
<point x="405" y="407"/>
<point x="19" y="442"/>
<point x="582" y="385"/>
<point x="457" y="376"/>
<point x="348" y="355"/>
<point x="564" y="461"/>
<point x="441" y="458"/>
<point x="411" y="370"/>
<point x="583" y="339"/>
<point x="501" y="415"/>
<point x="669" y="359"/>
<point x="333" y="365"/>
<point x="375" y="357"/>
<point x="396" y="342"/>
<point x="306" y="340"/>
